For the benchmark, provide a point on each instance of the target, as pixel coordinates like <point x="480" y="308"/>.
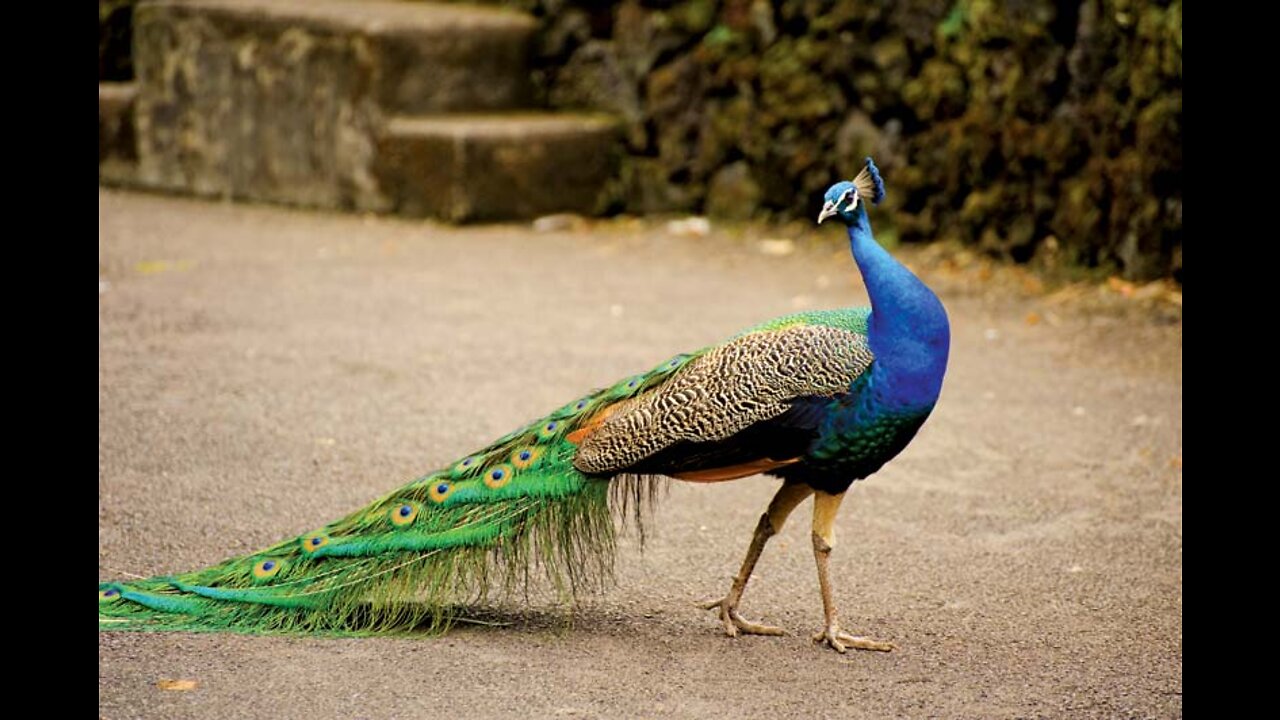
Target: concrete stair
<point x="495" y="166"/>
<point x="370" y="105"/>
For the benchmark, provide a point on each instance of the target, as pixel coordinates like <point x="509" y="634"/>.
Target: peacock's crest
<point x="869" y="184"/>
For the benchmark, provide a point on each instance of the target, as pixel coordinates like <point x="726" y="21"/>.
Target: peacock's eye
<point x="850" y="198"/>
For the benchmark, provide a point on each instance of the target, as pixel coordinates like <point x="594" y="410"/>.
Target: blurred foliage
<point x="1007" y="124"/>
<point x="115" y="38"/>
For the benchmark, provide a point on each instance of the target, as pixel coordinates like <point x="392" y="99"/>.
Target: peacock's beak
<point x="828" y="210"/>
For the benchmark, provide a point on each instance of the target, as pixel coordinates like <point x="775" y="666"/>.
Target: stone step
<point x="405" y="57"/>
<point x="361" y="105"/>
<point x="117" y="139"/>
<point x="282" y="101"/>
<point x="497" y="167"/>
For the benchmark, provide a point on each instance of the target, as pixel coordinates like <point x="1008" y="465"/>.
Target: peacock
<point x="818" y="399"/>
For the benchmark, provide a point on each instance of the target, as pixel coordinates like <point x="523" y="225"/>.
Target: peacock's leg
<point x="825" y="506"/>
<point x="784" y="501"/>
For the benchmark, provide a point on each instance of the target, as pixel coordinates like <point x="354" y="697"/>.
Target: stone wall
<point x="115" y="36"/>
<point x="1013" y="125"/>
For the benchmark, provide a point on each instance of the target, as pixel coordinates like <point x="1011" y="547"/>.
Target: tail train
<point x="512" y="511"/>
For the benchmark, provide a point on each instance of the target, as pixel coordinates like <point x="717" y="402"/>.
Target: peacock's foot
<point x="735" y="623"/>
<point x="839" y="640"/>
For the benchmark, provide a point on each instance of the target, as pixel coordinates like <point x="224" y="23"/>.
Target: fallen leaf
<point x="178" y="685"/>
<point x="1032" y="285"/>
<point x="1070" y="293"/>
<point x="1121" y="287"/>
<point x="1150" y="291"/>
<point x="777" y="247"/>
<point x="153" y="267"/>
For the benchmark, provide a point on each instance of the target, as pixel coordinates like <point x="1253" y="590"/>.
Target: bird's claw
<point x="839" y="640"/>
<point x="735" y="623"/>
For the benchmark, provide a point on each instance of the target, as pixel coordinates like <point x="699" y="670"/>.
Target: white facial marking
<point x="850" y="196"/>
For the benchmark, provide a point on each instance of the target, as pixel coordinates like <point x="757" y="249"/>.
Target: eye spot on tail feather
<point x="525" y="457"/>
<point x="549" y="430"/>
<point x="404" y="514"/>
<point x="269" y="567"/>
<point x="439" y="491"/>
<point x="314" y="542"/>
<point x="498" y="477"/>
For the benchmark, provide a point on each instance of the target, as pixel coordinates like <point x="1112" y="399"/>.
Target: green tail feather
<point x="514" y="510"/>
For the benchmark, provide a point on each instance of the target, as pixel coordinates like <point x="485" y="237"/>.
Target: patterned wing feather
<point x="720" y="396"/>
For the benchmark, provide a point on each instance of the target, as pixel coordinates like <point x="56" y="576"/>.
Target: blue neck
<point x="908" y="329"/>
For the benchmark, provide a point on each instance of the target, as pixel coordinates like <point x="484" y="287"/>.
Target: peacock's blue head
<point x="842" y="198"/>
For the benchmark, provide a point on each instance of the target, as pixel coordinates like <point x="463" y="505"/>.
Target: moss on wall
<point x="1006" y="124"/>
<point x="1002" y="123"/>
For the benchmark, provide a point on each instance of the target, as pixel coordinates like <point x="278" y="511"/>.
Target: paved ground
<point x="262" y="371"/>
